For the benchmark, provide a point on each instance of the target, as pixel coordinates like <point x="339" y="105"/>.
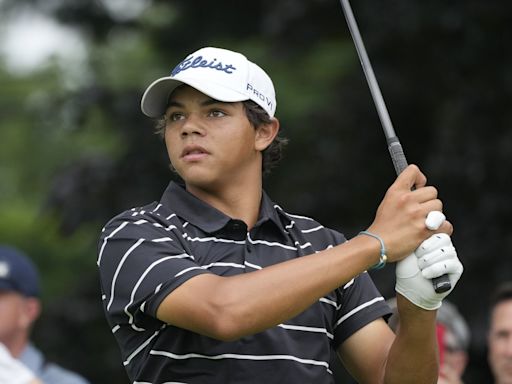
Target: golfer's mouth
<point x="193" y="153"/>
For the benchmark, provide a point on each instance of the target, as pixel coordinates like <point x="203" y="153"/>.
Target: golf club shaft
<point x="441" y="283"/>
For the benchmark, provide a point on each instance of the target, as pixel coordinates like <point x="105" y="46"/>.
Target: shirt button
<point x="238" y="225"/>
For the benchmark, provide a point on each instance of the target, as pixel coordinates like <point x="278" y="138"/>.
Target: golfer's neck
<point x="237" y="200"/>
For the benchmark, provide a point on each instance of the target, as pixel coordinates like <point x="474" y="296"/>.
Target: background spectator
<point x="500" y="334"/>
<point x="20" y="307"/>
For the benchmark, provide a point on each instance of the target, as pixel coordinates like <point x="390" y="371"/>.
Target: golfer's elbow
<point x="229" y="322"/>
<point x="225" y="329"/>
<point x="210" y="306"/>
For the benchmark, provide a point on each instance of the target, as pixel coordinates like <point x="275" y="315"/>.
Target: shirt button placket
<point x="248" y="245"/>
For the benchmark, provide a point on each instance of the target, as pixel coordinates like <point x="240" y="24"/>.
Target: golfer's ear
<point x="266" y="133"/>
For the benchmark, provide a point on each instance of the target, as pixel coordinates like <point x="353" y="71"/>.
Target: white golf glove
<point x="435" y="257"/>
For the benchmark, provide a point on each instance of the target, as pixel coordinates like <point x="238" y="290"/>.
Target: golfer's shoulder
<point x="138" y="220"/>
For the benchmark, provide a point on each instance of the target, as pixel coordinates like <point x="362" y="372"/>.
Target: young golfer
<point x="216" y="283"/>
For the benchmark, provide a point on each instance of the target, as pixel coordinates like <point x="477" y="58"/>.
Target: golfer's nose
<point x="193" y="125"/>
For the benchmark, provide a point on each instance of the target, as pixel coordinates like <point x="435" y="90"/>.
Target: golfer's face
<point x="209" y="142"/>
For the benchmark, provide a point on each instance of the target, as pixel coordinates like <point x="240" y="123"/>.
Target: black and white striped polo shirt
<point x="145" y="253"/>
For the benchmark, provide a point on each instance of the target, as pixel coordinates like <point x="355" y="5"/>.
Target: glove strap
<point x="383" y="258"/>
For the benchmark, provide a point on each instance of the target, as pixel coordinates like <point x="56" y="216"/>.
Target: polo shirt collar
<point x="204" y="216"/>
<point x="268" y="211"/>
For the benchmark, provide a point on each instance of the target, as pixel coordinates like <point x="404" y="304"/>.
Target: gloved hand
<point x="435" y="257"/>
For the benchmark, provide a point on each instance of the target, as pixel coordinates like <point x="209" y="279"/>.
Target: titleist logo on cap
<point x="199" y="62"/>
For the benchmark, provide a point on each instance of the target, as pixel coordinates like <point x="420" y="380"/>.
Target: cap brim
<point x="6" y="285"/>
<point x="155" y="98"/>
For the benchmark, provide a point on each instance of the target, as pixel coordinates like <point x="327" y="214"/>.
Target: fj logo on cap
<point x="199" y="62"/>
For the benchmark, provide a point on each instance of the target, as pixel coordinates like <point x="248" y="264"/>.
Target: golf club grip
<point x="442" y="283"/>
<point x="397" y="155"/>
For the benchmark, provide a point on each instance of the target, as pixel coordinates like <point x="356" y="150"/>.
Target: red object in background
<point x="440" y="330"/>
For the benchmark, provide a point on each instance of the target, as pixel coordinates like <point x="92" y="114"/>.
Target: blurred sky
<point x="29" y="38"/>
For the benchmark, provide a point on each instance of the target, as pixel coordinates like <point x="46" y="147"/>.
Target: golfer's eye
<point x="216" y="113"/>
<point x="175" y="116"/>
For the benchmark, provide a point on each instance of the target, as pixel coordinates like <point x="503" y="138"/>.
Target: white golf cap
<point x="219" y="73"/>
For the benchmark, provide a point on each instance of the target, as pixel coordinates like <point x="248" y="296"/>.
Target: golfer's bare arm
<point x="374" y="355"/>
<point x="228" y="308"/>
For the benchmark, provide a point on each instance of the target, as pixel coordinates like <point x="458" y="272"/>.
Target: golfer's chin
<point x="197" y="177"/>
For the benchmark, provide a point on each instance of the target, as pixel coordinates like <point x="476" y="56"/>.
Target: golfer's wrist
<point x="369" y="250"/>
<point x="382" y="255"/>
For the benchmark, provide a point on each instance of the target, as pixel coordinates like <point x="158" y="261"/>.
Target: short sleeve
<point x="362" y="303"/>
<point x="140" y="263"/>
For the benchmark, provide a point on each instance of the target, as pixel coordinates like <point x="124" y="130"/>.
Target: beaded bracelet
<point x="383" y="258"/>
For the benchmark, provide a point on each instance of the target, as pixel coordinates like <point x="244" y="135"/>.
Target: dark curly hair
<point x="257" y="116"/>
